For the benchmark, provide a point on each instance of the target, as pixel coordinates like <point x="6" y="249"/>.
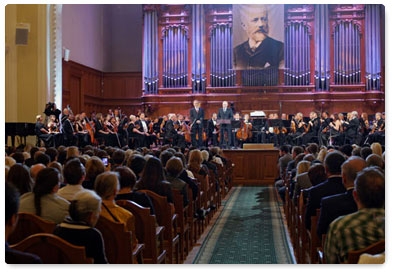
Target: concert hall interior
<point x="248" y="84"/>
<point x="100" y="57"/>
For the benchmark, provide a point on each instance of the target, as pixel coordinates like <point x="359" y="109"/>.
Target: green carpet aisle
<point x="249" y="230"/>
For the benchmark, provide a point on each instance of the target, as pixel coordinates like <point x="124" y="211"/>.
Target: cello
<point x="244" y="132"/>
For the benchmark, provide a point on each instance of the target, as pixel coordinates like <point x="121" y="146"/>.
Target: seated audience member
<point x="118" y="158"/>
<point x="153" y="179"/>
<point x="376" y="148"/>
<point x="343" y="203"/>
<point x="19" y="157"/>
<point x="365" y="152"/>
<point x="316" y="174"/>
<point x="302" y="180"/>
<point x="19" y="176"/>
<point x="186" y="175"/>
<point x="74" y="175"/>
<point x="107" y="187"/>
<point x="364" y="227"/>
<point x="127" y="180"/>
<point x="332" y="185"/>
<point x="35" y="169"/>
<point x="173" y="169"/>
<point x="44" y="200"/>
<point x="136" y="163"/>
<point x="375" y="160"/>
<point x="93" y="167"/>
<point x="13" y="256"/>
<point x="79" y="228"/>
<point x="41" y="157"/>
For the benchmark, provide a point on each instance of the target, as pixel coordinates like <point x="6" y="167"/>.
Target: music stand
<point x="236" y="124"/>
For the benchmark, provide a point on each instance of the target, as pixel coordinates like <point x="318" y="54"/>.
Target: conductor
<point x="196" y="115"/>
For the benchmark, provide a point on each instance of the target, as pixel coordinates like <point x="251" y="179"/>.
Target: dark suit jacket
<point x="268" y="54"/>
<point x="351" y="128"/>
<point x="333" y="207"/>
<point x="13" y="256"/>
<point x="170" y="131"/>
<point x="195" y="116"/>
<point x="228" y="114"/>
<point x="333" y="185"/>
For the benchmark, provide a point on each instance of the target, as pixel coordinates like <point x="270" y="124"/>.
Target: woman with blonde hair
<point x="376" y="148"/>
<point x="107" y="187"/>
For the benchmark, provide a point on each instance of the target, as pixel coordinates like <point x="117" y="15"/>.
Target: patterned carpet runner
<point x="250" y="230"/>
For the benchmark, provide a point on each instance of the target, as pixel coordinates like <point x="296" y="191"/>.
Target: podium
<point x="223" y="121"/>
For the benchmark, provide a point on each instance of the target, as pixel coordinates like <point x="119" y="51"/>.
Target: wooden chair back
<point x="375" y="248"/>
<point x="183" y="225"/>
<point x="53" y="250"/>
<point x="29" y="224"/>
<point x="165" y="217"/>
<point x="117" y="241"/>
<point x="147" y="232"/>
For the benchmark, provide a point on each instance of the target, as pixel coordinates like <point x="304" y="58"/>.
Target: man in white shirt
<point x="74" y="175"/>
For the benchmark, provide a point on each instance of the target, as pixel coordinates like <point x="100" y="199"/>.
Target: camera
<point x="105" y="161"/>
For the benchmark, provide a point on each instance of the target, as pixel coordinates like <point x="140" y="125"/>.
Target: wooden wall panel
<point x="99" y="91"/>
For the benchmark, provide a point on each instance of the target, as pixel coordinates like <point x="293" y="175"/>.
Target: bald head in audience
<point x="35" y="169"/>
<point x="350" y="168"/>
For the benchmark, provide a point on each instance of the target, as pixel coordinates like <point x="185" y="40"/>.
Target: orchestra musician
<point x="212" y="131"/>
<point x="149" y="139"/>
<point x="101" y="132"/>
<point x="364" y="126"/>
<point x="350" y="128"/>
<point x="82" y="134"/>
<point x="42" y="132"/>
<point x="136" y="137"/>
<point x="172" y="135"/>
<point x="323" y="133"/>
<point x="224" y="117"/>
<point x="331" y="133"/>
<point x="196" y="115"/>
<point x="69" y="134"/>
<point x="378" y="130"/>
<point x="244" y="134"/>
<point x="273" y="130"/>
<point x="235" y="141"/>
<point x="311" y="131"/>
<point x="297" y="130"/>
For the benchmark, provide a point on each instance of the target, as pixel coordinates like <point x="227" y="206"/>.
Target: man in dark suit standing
<point x="196" y="115"/>
<point x="333" y="185"/>
<point x="224" y="118"/>
<point x="343" y="203"/>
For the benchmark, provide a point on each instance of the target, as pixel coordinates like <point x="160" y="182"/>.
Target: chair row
<point x="307" y="245"/>
<point x="166" y="237"/>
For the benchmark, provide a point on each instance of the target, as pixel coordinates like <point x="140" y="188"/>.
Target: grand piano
<point x="20" y="129"/>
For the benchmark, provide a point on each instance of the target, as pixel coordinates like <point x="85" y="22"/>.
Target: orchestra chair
<point x="147" y="232"/>
<point x="118" y="243"/>
<point x="29" y="224"/>
<point x="183" y="228"/>
<point x="165" y="217"/>
<point x="375" y="248"/>
<point x="53" y="249"/>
